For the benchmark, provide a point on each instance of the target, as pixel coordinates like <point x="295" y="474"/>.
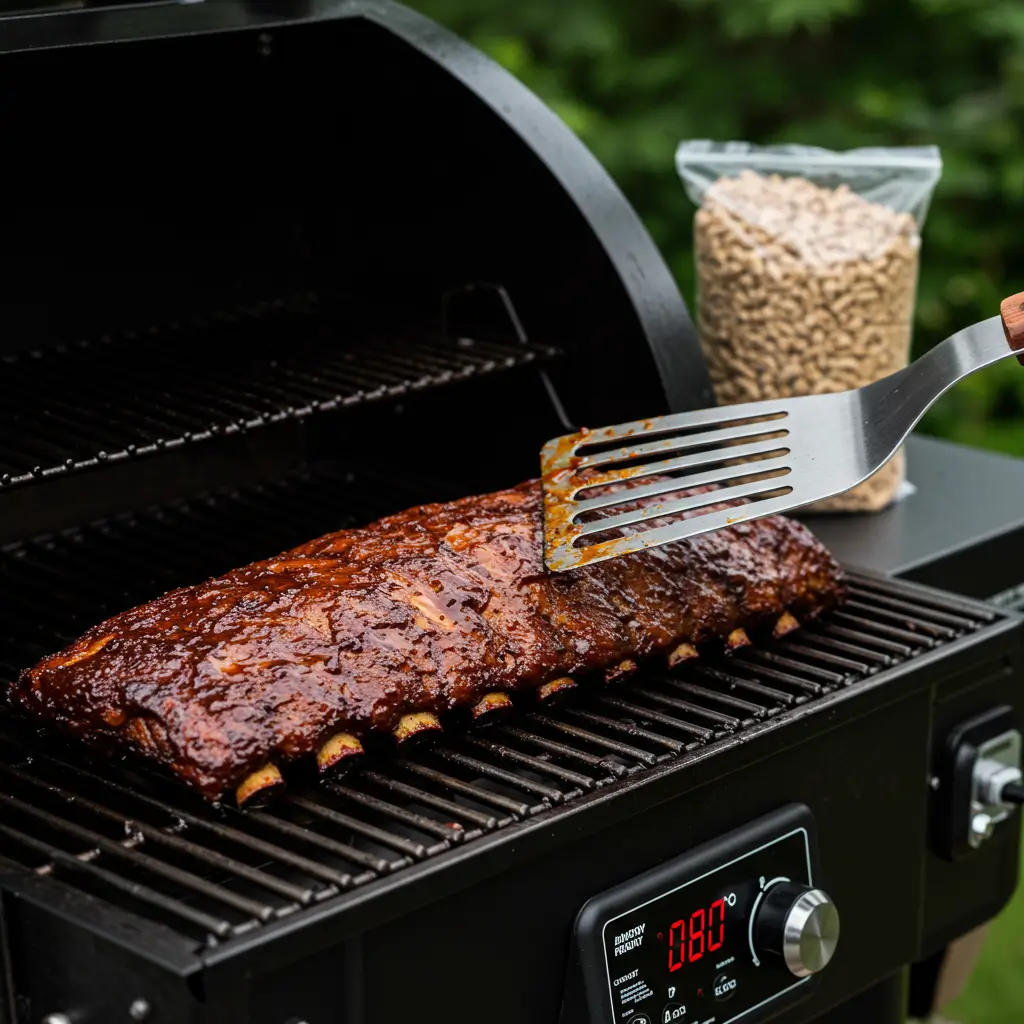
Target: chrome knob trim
<point x="810" y="933"/>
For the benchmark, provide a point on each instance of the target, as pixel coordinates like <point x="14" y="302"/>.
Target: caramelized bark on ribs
<point x="423" y="611"/>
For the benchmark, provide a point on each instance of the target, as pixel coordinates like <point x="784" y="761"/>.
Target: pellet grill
<point x="272" y="268"/>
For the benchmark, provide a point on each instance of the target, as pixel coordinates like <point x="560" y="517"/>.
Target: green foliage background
<point x="633" y="77"/>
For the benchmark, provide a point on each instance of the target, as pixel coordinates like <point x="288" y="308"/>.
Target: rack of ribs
<point x="390" y="627"/>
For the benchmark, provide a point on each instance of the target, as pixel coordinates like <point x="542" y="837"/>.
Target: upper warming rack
<point x="143" y="844"/>
<point x="115" y="398"/>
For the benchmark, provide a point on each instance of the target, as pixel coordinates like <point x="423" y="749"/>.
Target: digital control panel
<point x="714" y="935"/>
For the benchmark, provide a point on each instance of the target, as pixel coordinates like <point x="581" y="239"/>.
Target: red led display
<point x="676" y="934"/>
<point x="690" y="937"/>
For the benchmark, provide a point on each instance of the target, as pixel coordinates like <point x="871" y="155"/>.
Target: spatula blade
<point x="639" y="485"/>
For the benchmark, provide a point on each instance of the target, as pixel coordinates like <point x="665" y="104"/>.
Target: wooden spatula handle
<point x="1012" y="312"/>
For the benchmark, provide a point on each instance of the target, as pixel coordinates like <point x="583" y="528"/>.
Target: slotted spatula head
<point x="618" y="490"/>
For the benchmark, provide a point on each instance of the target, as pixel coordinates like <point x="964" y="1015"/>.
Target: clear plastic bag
<point x="807" y="264"/>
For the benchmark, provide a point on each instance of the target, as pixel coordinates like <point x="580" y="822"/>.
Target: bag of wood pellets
<point x="807" y="267"/>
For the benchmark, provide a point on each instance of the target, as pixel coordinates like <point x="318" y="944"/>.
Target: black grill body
<point x="478" y="851"/>
<point x="341" y="264"/>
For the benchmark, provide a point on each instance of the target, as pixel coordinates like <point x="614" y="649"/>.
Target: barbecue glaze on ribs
<point x="383" y="628"/>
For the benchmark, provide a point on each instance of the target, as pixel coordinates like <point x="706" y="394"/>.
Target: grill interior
<point x="215" y="375"/>
<point x="137" y="841"/>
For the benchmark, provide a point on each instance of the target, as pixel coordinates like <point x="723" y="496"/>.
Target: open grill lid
<point x="353" y="148"/>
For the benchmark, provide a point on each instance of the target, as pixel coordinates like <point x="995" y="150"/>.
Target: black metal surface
<point x="213" y="376"/>
<point x="498" y="818"/>
<point x="856" y="754"/>
<point x="372" y="155"/>
<point x="882" y="1003"/>
<point x="142" y="844"/>
<point x="953" y="532"/>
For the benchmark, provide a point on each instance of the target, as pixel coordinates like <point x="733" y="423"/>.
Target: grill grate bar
<point x="373" y="864"/>
<point x="715" y="696"/>
<point x="517" y="808"/>
<point x="483" y="796"/>
<point x="378" y="835"/>
<point x="159" y="837"/>
<point x="866" y="640"/>
<point x="972" y="613"/>
<point x="132" y="889"/>
<point x="828" y="658"/>
<point x="148" y="395"/>
<point x="397" y="364"/>
<point x="598" y="740"/>
<point x="761" y="656"/>
<point x="916" y="640"/>
<point x="911" y="622"/>
<point x="786" y="678"/>
<point x="956" y="622"/>
<point x="492" y="771"/>
<point x="446" y="832"/>
<point x="186" y="879"/>
<point x="858" y="650"/>
<point x="634" y="731"/>
<point x="738" y="682"/>
<point x="536" y="764"/>
<point x="563" y="749"/>
<point x="361" y="384"/>
<point x="487" y="822"/>
<point x="653" y="715"/>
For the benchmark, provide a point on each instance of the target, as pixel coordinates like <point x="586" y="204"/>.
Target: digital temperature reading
<point x="706" y="937"/>
<point x="701" y="932"/>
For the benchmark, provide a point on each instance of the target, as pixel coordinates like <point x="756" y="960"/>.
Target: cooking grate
<point x="210" y="376"/>
<point x="138" y="842"/>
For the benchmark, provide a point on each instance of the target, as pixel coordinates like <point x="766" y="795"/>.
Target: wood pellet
<point x="804" y="290"/>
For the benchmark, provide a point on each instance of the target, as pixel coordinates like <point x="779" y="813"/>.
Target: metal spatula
<point x="620" y="489"/>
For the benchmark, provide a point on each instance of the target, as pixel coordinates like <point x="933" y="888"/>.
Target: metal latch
<point x="996" y="772"/>
<point x="978" y="782"/>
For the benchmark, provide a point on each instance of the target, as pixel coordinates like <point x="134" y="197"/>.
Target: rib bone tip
<point x="738" y="638"/>
<point x="260" y="781"/>
<point x="624" y="668"/>
<point x="557" y="687"/>
<point x="681" y="653"/>
<point x="491" y="705"/>
<point x="786" y="623"/>
<point x="416" y="724"/>
<point x="340" y="747"/>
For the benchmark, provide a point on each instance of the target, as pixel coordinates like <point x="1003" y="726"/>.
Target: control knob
<point x="797" y="926"/>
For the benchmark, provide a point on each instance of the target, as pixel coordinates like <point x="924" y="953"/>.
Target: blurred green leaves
<point x="745" y="19"/>
<point x="632" y="79"/>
